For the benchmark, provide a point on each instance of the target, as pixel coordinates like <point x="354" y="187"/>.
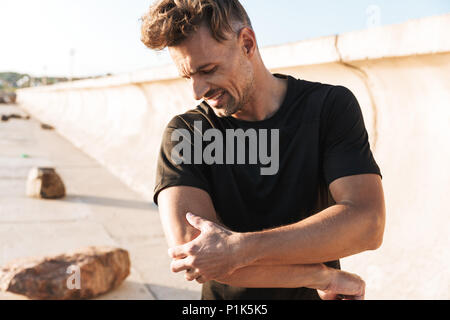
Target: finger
<point x="347" y="297"/>
<point x="201" y="280"/>
<point x="196" y="221"/>
<point x="348" y="284"/>
<point x="362" y="295"/>
<point x="192" y="274"/>
<point x="327" y="295"/>
<point x="178" y="252"/>
<point x="180" y="265"/>
<point x="350" y="296"/>
<point x="359" y="297"/>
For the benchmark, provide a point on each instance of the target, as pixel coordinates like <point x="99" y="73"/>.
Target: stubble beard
<point x="232" y="106"/>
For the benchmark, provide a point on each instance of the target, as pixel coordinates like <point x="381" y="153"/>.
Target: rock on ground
<point x="82" y="274"/>
<point x="45" y="183"/>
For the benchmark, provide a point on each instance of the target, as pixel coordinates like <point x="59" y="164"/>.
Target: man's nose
<point x="199" y="87"/>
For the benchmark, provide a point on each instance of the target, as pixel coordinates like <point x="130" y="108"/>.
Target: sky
<point x="96" y="37"/>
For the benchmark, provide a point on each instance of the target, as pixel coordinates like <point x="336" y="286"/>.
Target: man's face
<point x="220" y="73"/>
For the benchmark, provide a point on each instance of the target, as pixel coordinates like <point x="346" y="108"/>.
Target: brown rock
<point x="14" y="116"/>
<point x="45" y="183"/>
<point x="46" y="126"/>
<point x="11" y="98"/>
<point x="82" y="274"/>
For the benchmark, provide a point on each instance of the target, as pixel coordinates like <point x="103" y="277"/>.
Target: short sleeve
<point x="170" y="171"/>
<point x="346" y="149"/>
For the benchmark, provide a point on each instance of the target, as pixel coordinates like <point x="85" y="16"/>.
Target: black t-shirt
<point x="322" y="137"/>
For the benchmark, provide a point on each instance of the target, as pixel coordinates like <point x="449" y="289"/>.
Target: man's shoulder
<point x="188" y="119"/>
<point x="320" y="89"/>
<point x="323" y="98"/>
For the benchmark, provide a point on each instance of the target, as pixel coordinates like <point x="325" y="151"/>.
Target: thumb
<point x="326" y="295"/>
<point x="195" y="221"/>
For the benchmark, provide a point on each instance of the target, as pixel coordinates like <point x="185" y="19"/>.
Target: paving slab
<point x="98" y="210"/>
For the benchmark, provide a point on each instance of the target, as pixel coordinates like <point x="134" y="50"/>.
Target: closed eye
<point x="204" y="72"/>
<point x="209" y="71"/>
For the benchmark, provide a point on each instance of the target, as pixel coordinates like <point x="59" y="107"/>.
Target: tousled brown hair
<point x="169" y="22"/>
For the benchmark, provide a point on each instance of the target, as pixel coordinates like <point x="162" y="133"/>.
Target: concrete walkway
<point x="98" y="210"/>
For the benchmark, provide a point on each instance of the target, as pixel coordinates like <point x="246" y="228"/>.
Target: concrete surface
<point x="98" y="210"/>
<point x="400" y="75"/>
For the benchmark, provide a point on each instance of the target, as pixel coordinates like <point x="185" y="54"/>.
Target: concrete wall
<point x="401" y="77"/>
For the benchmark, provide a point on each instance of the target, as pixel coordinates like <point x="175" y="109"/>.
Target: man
<point x="243" y="233"/>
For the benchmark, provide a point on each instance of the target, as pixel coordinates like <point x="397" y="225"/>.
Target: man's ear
<point x="248" y="41"/>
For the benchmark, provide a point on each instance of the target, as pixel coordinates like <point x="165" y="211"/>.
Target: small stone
<point x="45" y="183"/>
<point x="46" y="126"/>
<point x="82" y="274"/>
<point x="14" y="116"/>
<point x="11" y="98"/>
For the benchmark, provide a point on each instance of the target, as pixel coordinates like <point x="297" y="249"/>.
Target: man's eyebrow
<point x="184" y="74"/>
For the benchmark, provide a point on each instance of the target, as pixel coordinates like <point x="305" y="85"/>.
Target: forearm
<point x="316" y="276"/>
<point x="332" y="234"/>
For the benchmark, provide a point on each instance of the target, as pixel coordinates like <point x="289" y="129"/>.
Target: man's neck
<point x="266" y="99"/>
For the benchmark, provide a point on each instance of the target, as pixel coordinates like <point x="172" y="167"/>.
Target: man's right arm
<point x="175" y="202"/>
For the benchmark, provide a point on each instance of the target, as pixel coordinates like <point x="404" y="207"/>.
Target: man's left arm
<point x="355" y="224"/>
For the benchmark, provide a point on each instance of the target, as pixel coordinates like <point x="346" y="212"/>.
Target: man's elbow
<point x="375" y="230"/>
<point x="182" y="237"/>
